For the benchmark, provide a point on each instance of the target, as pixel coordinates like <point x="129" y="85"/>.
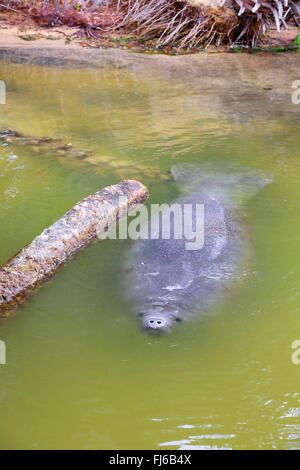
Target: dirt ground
<point x="17" y="29"/>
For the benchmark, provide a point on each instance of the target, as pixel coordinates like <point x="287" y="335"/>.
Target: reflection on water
<point x="284" y="429"/>
<point x="79" y="372"/>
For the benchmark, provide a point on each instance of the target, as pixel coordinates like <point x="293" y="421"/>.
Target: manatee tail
<point x="235" y="182"/>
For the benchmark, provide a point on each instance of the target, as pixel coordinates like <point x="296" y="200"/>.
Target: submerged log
<point x="71" y="155"/>
<point x="35" y="263"/>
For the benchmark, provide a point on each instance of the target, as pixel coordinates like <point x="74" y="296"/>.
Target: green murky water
<point x="79" y="373"/>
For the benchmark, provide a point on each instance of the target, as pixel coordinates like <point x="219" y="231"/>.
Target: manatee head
<point x="157" y="322"/>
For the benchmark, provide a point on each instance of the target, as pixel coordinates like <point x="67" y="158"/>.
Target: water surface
<point x="79" y="373"/>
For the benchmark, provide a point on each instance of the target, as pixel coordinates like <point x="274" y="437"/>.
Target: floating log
<point x="35" y="263"/>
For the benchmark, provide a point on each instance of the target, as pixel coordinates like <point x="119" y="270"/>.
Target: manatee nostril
<point x="155" y="323"/>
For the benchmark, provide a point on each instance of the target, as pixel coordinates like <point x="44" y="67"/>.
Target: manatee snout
<point x="156" y="324"/>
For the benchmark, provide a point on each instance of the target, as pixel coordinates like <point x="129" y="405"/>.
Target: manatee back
<point x="165" y="276"/>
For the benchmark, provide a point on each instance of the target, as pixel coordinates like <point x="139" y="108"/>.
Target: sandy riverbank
<point x="20" y="31"/>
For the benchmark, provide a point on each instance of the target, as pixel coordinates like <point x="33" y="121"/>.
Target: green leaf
<point x="297" y="40"/>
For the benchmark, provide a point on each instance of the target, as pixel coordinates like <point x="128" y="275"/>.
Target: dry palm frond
<point x="176" y="22"/>
<point x="187" y="23"/>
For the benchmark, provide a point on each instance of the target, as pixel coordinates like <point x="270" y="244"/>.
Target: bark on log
<point x="35" y="263"/>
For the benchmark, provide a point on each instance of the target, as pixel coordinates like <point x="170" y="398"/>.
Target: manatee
<point x="169" y="283"/>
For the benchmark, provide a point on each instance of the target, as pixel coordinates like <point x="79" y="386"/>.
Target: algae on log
<point x="35" y="263"/>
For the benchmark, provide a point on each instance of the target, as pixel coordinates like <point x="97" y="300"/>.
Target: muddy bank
<point x="18" y="29"/>
<point x="165" y="26"/>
